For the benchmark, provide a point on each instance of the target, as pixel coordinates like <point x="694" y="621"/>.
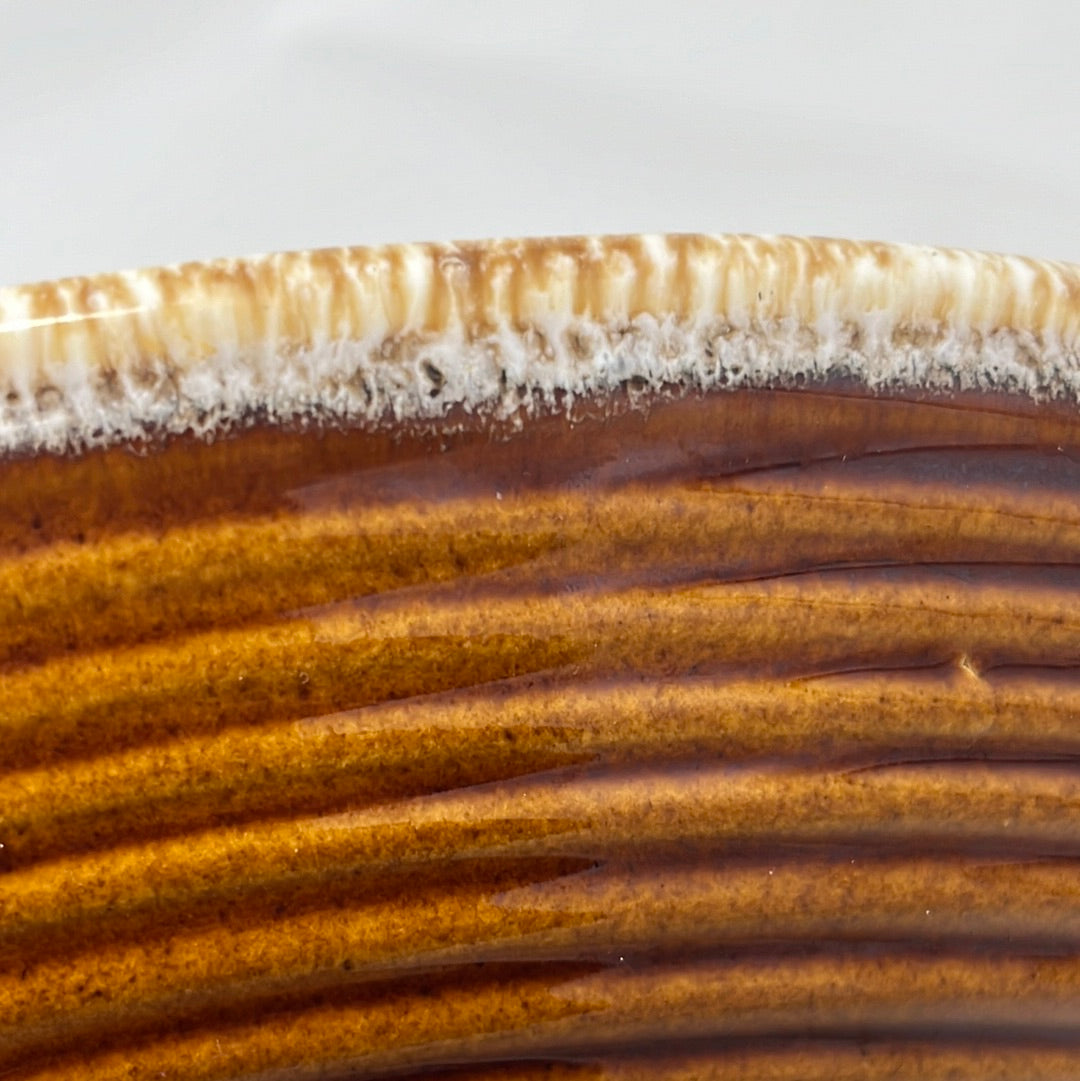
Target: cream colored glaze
<point x="369" y="335"/>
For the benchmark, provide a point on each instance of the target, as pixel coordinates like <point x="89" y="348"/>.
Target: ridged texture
<point x="694" y="736"/>
<point x="381" y="335"/>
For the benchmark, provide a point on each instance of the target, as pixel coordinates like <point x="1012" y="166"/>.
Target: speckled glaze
<point x="641" y="658"/>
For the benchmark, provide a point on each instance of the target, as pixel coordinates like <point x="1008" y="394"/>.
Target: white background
<point x="140" y="133"/>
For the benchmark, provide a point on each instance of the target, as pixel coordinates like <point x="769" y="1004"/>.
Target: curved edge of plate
<point x="414" y="332"/>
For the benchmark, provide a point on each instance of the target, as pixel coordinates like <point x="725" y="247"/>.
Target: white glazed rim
<point x="370" y="336"/>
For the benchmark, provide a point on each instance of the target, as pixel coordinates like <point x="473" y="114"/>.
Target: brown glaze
<point x="833" y="1061"/>
<point x="732" y="737"/>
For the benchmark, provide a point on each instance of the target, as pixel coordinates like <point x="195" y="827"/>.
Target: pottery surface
<point x="609" y="658"/>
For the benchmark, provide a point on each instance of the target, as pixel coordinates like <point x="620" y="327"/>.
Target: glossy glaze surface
<point x="740" y="729"/>
<point x="627" y="658"/>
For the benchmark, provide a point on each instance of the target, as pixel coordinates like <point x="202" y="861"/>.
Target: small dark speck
<point x="35" y="522"/>
<point x="436" y="376"/>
